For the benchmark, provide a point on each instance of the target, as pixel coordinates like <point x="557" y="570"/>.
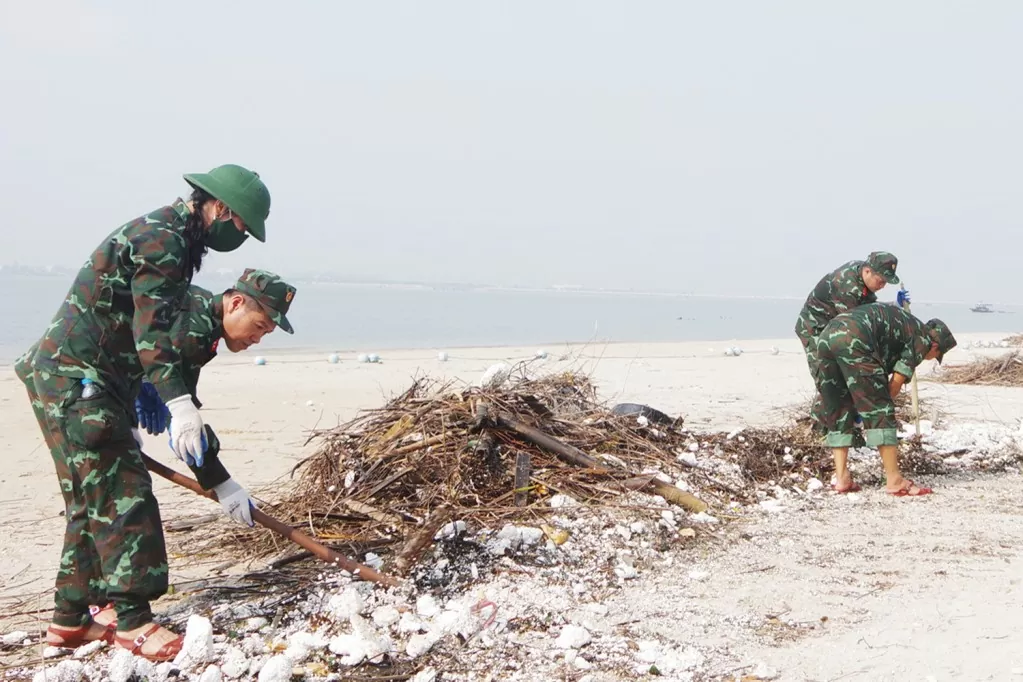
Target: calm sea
<point x="370" y="318"/>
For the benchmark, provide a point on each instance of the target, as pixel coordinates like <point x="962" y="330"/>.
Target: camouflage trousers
<point x="114" y="548"/>
<point x="852" y="381"/>
<point x="817" y="407"/>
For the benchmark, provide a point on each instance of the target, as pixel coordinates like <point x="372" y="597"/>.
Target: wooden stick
<point x="417" y="543"/>
<point x="574" y="455"/>
<point x="523" y="469"/>
<point x="267" y="521"/>
<point x="913" y="384"/>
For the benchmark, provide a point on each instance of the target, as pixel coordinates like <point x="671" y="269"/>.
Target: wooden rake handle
<point x="298" y="537"/>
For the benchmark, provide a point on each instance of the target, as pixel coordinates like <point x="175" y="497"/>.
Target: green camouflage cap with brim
<point x="271" y="292"/>
<point x="241" y="190"/>
<point x="942" y="335"/>
<point x="884" y="264"/>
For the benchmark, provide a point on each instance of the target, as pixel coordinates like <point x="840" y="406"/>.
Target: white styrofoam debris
<point x="121" y="666"/>
<point x="235" y="663"/>
<point x="427" y="606"/>
<point x="65" y="671"/>
<point x="428" y="674"/>
<point x="374" y="561"/>
<point x="255" y="624"/>
<point x="14" y="638"/>
<point x="347" y="604"/>
<point x="302" y="644"/>
<point x="277" y="669"/>
<point x="563" y="502"/>
<point x="495" y="375"/>
<point x="450" y="531"/>
<point x="573" y="637"/>
<point x="211" y="674"/>
<point x="703" y="517"/>
<point x="386" y="615"/>
<point x="198" y="645"/>
<point x="813" y="485"/>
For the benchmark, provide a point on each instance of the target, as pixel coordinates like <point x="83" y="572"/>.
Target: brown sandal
<point x="166" y="653"/>
<point x="73" y="638"/>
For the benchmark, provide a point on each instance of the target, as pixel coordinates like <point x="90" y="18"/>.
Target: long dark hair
<point x="195" y="232"/>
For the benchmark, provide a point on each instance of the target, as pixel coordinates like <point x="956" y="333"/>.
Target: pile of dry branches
<point x="389" y="479"/>
<point x="1006" y="370"/>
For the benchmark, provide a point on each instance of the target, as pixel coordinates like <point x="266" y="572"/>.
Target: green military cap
<point x="884" y="264"/>
<point x="241" y="190"/>
<point x="942" y="335"/>
<point x="271" y="292"/>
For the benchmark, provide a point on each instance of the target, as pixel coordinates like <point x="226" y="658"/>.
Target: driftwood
<point x="417" y="543"/>
<point x="523" y="469"/>
<point x="574" y="455"/>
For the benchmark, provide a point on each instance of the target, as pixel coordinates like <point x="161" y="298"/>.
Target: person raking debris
<point x="849" y="286"/>
<point x="864" y="357"/>
<point x="119" y="322"/>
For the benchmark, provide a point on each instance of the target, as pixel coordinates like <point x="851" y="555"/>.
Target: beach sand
<point x="263" y="419"/>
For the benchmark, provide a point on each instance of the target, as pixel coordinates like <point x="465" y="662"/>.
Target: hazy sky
<point x="713" y="147"/>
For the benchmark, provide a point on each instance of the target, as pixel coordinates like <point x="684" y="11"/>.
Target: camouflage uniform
<point x="116" y="324"/>
<point x="857" y="352"/>
<point x="838" y="292"/>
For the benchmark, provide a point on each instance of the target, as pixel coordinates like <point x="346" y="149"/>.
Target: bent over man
<point x="853" y="284"/>
<point x="864" y="358"/>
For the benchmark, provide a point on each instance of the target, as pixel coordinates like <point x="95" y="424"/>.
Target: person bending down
<point x="865" y="356"/>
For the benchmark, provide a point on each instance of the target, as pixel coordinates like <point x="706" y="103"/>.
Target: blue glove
<point x="902" y="298"/>
<point x="189" y="461"/>
<point x="150" y="410"/>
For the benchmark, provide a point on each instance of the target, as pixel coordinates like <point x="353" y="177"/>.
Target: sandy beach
<point x="950" y="564"/>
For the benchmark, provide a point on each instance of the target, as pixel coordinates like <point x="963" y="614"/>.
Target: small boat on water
<point x="982" y="308"/>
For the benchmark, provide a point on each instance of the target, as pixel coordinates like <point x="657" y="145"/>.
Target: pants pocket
<point x="96" y="421"/>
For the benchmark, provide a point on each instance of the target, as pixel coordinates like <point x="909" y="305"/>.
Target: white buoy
<point x="774" y="350"/>
<point x="260" y="360"/>
<point x="363" y="357"/>
<point x="333" y="358"/>
<point x="541" y="354"/>
<point x="729" y="352"/>
<point x="736" y="351"/>
<point x="373" y="357"/>
<point x="442" y="356"/>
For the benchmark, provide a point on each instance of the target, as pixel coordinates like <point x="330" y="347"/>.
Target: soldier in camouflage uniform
<point x="118" y="321"/>
<point x="864" y="357"/>
<point x="854" y="284"/>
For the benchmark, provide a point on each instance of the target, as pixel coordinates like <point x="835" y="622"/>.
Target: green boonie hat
<point x="271" y="292"/>
<point x="943" y="336"/>
<point x="884" y="264"/>
<point x="241" y="190"/>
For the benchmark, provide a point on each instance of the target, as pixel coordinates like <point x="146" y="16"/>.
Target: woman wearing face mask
<point x="117" y="322"/>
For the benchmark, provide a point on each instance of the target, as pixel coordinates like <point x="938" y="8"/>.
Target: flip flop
<point x="854" y="488"/>
<point x="904" y="490"/>
<point x="165" y="653"/>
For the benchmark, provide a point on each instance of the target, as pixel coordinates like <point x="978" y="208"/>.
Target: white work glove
<point x="138" y="437"/>
<point x="235" y="501"/>
<point x="186" y="436"/>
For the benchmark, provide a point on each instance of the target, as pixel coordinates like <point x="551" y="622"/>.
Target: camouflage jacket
<point x="838" y="292"/>
<point x="118" y="319"/>
<point x="203" y="327"/>
<point x="887" y="333"/>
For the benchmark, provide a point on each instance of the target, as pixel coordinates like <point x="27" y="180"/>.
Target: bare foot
<point x="105" y="616"/>
<point x="61" y="636"/>
<point x="845" y="484"/>
<point x="153" y="643"/>
<point x="904" y="487"/>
